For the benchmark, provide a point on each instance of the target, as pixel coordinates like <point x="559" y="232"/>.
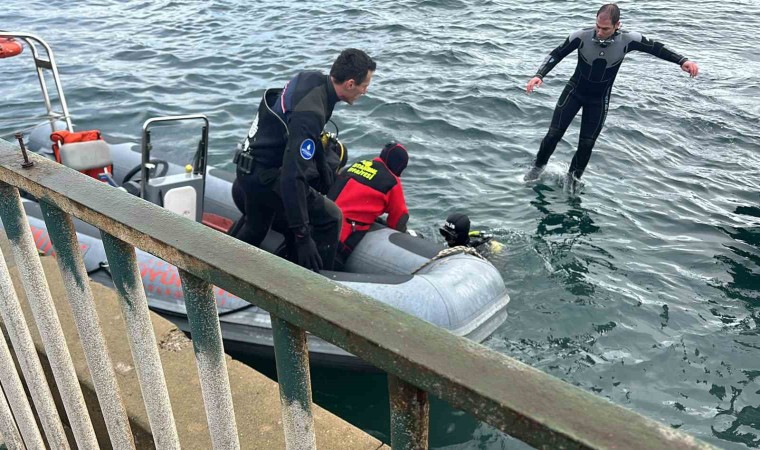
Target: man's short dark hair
<point x="352" y="64"/>
<point x="611" y="10"/>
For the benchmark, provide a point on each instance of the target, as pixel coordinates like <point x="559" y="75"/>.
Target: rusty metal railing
<point x="419" y="357"/>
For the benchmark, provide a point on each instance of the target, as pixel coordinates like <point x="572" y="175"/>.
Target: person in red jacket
<point x="368" y="189"/>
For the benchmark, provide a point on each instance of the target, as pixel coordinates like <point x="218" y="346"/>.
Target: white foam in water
<point x="555" y="174"/>
<point x="571" y="189"/>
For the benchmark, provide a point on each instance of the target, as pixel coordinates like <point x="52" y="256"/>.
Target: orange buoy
<point x="9" y="47"/>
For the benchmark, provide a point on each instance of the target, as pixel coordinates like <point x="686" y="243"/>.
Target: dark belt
<point x="244" y="162"/>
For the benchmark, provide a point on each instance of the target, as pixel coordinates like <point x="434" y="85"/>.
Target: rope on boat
<point x="449" y="252"/>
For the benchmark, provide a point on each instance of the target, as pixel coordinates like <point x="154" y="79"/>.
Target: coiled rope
<point x="449" y="252"/>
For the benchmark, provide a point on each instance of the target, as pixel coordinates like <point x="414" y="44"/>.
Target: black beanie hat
<point x="456" y="228"/>
<point x="394" y="156"/>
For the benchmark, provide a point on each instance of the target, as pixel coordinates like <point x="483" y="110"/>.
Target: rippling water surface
<point x="644" y="288"/>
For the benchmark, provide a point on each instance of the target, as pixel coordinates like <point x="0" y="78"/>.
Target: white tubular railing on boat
<point x="419" y="358"/>
<point x="41" y="65"/>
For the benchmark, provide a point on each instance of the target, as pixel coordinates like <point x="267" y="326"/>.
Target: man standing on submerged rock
<point x="600" y="52"/>
<point x="283" y="168"/>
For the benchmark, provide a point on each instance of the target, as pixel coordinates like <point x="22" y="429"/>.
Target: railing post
<point x="37" y="293"/>
<point x="78" y="291"/>
<point x="134" y="306"/>
<point x="292" y="358"/>
<point x="11" y="384"/>
<point x="206" y="336"/>
<point x="410" y="411"/>
<point x="9" y="434"/>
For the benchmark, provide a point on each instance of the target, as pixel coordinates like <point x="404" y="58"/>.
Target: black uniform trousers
<point x="259" y="197"/>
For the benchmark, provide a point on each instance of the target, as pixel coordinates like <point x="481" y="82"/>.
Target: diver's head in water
<point x="395" y="157"/>
<point x="456" y="229"/>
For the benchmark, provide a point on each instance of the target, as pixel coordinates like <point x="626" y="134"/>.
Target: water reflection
<point x="740" y="422"/>
<point x="574" y="220"/>
<point x="744" y="265"/>
<point x="741" y="425"/>
<point x="565" y="224"/>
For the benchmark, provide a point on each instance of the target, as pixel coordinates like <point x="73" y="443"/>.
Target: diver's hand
<point x="534" y="83"/>
<point x="307" y="255"/>
<point x="691" y="67"/>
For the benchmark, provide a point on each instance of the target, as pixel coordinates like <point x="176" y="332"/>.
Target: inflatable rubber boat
<point x="454" y="289"/>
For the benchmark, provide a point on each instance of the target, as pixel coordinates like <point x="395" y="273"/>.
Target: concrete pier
<point x="255" y="397"/>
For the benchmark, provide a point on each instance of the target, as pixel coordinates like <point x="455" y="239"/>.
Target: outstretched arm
<point x="556" y="55"/>
<point x="658" y="49"/>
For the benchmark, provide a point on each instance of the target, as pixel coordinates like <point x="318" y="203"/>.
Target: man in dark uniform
<point x="600" y="52"/>
<point x="283" y="168"/>
<point x="368" y="189"/>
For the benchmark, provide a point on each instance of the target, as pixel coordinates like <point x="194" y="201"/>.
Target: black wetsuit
<point x="283" y="170"/>
<point x="590" y="86"/>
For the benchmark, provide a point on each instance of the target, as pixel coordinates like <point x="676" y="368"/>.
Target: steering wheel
<point x="154" y="172"/>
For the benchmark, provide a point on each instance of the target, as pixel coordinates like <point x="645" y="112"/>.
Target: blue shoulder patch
<point x="307" y="149"/>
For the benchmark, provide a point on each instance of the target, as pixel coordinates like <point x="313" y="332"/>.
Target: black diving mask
<point x="448" y="234"/>
<point x="451" y="236"/>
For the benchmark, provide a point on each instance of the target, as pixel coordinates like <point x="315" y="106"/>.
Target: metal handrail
<point x="420" y="357"/>
<point x="146" y="147"/>
<point x="48" y="64"/>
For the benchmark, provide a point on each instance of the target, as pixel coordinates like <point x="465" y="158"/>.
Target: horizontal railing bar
<point x="527" y="403"/>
